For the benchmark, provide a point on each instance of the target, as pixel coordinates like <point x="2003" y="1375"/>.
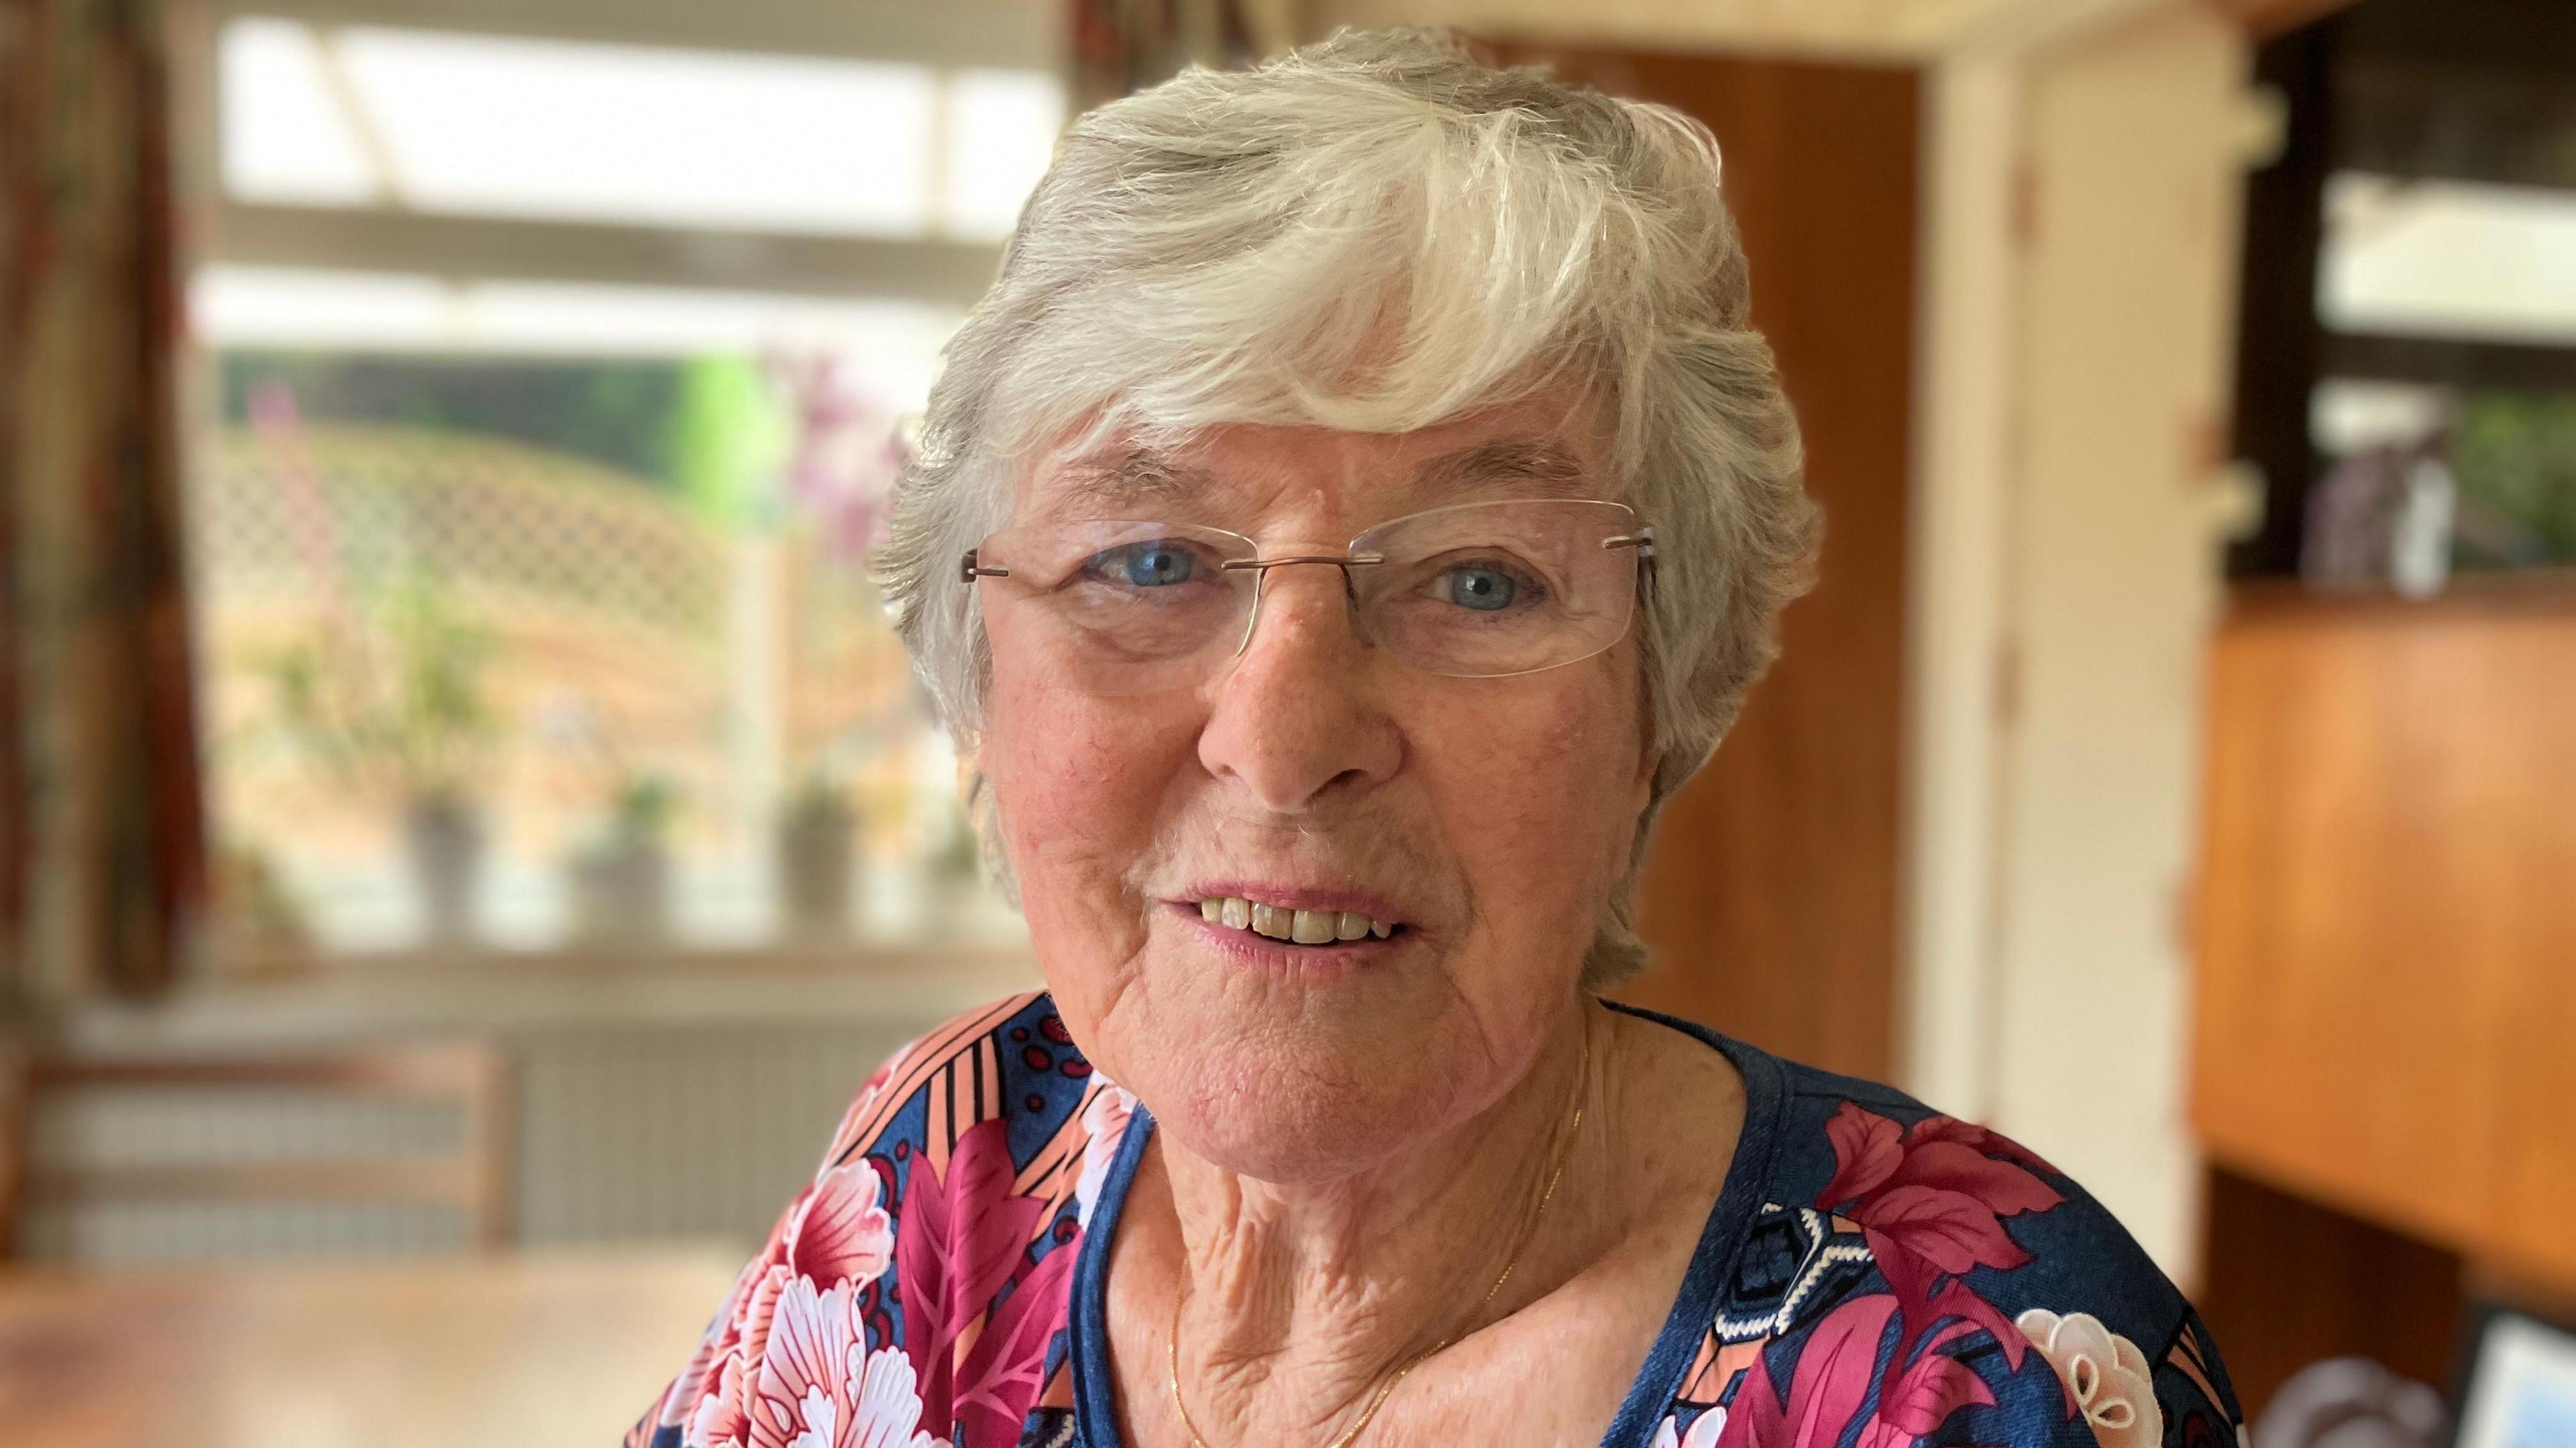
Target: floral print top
<point x="1873" y="1275"/>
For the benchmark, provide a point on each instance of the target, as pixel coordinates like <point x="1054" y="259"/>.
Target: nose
<point x="1300" y="715"/>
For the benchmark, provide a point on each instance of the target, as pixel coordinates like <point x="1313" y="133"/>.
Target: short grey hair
<point x="1378" y="233"/>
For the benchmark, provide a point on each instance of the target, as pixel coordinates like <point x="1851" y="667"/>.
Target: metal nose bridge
<point x="1260" y="568"/>
<point x="1263" y="565"/>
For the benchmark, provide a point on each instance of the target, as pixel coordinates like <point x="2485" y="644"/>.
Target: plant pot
<point x="622" y="892"/>
<point x="445" y="835"/>
<point x="815" y="859"/>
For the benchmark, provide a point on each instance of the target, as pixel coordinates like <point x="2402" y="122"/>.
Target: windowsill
<point x="353" y="997"/>
<point x="2484" y="589"/>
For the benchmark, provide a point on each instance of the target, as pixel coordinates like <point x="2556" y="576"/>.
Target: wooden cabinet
<point x="2387" y="915"/>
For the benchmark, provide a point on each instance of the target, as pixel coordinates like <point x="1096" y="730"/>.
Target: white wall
<point x="2130" y="225"/>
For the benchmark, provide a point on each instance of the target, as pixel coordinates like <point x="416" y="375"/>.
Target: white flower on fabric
<point x="2111" y="1381"/>
<point x="819" y="1415"/>
<point x="723" y="1418"/>
<point x="889" y="1406"/>
<point x="1104" y="1126"/>
<point x="819" y="1388"/>
<point x="1702" y="1434"/>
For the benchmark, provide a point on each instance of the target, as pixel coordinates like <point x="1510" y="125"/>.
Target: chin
<point x="1288" y="1076"/>
<point x="1270" y="1138"/>
<point x="1282" y="1106"/>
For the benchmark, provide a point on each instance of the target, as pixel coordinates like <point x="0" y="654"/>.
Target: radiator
<point x="623" y="1133"/>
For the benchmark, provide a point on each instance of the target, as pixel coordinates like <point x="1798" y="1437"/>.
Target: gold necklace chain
<point x="1180" y="1294"/>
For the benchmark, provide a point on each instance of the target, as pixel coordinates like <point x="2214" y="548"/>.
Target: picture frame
<point x="2517" y="1382"/>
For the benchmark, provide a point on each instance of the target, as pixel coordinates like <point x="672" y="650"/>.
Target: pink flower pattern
<point x="917" y="1294"/>
<point x="1931" y="1202"/>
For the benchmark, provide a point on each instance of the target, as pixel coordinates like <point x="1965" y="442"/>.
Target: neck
<point x="1317" y="1294"/>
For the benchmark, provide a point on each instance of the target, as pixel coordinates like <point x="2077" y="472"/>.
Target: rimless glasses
<point x="1476" y="590"/>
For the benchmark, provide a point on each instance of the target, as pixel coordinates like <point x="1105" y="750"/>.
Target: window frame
<point x="387" y="237"/>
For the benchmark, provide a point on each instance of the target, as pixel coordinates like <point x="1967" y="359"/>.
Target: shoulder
<point x="921" y="1275"/>
<point x="1964" y="1202"/>
<point x="1008" y="1069"/>
<point x="2009" y="1305"/>
<point x="994" y="1117"/>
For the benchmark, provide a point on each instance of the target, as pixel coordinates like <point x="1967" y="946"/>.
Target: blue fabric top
<point x="1872" y="1275"/>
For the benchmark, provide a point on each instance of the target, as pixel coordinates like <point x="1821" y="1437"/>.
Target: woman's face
<point x="1487" y="819"/>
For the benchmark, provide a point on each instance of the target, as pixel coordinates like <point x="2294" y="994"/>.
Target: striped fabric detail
<point x="914" y="1069"/>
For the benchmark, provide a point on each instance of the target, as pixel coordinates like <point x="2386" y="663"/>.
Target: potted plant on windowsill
<point x="396" y="707"/>
<point x="951" y="873"/>
<point x="621" y="882"/>
<point x="816" y="835"/>
<point x="443" y="832"/>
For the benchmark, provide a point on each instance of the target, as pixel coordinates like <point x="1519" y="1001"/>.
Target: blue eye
<point x="1486" y="590"/>
<point x="1151" y="565"/>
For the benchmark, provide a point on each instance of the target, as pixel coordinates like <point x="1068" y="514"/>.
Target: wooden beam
<point x="2277" y="337"/>
<point x="2264" y="19"/>
<point x="2434" y="117"/>
<point x="2535" y="38"/>
<point x="1006" y="33"/>
<point x="2451" y="362"/>
<point x="482" y="247"/>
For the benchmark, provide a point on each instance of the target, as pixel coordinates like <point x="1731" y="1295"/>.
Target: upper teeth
<point x="1306" y="927"/>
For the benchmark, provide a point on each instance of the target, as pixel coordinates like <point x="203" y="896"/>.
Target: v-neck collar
<point x="1676" y="1347"/>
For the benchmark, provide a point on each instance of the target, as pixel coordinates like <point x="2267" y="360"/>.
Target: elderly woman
<point x="1358" y="505"/>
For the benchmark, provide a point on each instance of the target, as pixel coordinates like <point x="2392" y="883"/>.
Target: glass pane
<point x="1002" y="126"/>
<point x="289" y="307"/>
<point x="283" y="137"/>
<point x="274" y="305"/>
<point x="2515" y="457"/>
<point x="2475" y="478"/>
<point x="567" y="584"/>
<point x="539" y="128"/>
<point x="2447" y="258"/>
<point x="493" y="126"/>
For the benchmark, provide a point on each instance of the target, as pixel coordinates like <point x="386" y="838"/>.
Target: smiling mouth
<point x="1297" y="927"/>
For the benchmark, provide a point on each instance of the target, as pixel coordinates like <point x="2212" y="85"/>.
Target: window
<point x="2448" y="259"/>
<point x="2449" y="405"/>
<point x="553" y="392"/>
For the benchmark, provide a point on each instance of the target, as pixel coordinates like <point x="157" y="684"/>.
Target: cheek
<point x="1537" y="797"/>
<point x="1081" y="783"/>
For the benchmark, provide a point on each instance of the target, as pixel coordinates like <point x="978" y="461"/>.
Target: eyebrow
<point x="1132" y="477"/>
<point x="1136" y="482"/>
<point x="1526" y="467"/>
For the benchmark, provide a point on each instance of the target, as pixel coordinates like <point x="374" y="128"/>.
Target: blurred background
<point x="466" y="827"/>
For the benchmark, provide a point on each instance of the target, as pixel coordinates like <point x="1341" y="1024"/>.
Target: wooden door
<point x="1770" y="897"/>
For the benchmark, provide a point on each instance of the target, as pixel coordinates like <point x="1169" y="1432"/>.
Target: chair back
<point x="473" y="1176"/>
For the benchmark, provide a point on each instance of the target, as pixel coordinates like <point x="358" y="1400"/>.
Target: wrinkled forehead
<point x="1252" y="478"/>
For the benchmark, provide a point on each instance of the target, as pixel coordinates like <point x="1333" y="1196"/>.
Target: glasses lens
<point x="1490" y="589"/>
<point x="1129" y="607"/>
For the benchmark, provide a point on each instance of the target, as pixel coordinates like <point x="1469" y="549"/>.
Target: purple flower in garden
<point x="844" y="456"/>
